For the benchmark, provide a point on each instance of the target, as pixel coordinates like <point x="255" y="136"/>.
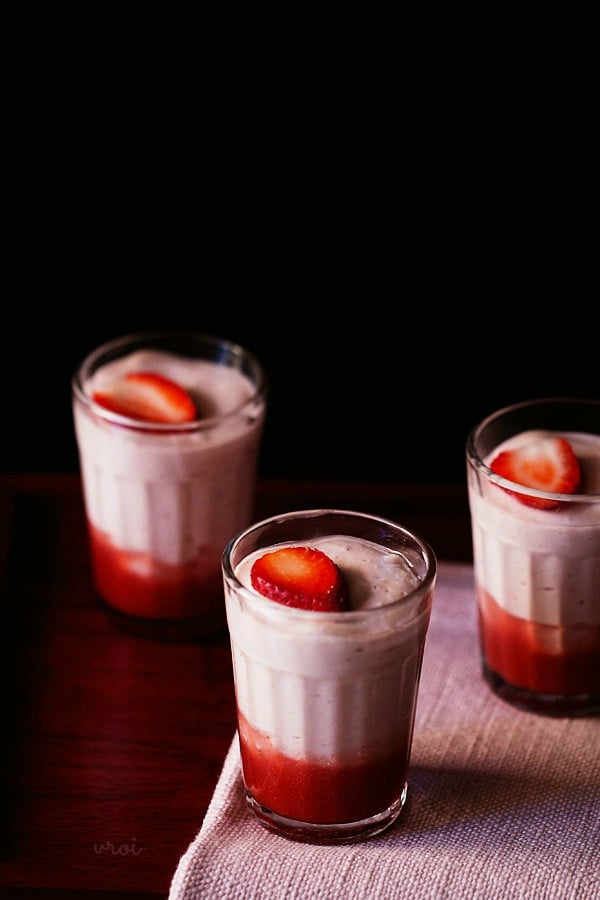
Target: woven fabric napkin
<point x="502" y="803"/>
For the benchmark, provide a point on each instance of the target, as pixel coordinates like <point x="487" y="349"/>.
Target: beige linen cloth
<point x="502" y="803"/>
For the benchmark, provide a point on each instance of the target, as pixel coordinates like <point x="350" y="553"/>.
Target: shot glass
<point x="537" y="561"/>
<point x="162" y="500"/>
<point x="326" y="701"/>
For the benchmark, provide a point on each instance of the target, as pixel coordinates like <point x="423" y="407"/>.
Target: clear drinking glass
<point x="326" y="700"/>
<point x="162" y="500"/>
<point x="537" y="570"/>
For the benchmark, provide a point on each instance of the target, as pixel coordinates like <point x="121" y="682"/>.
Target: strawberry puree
<point x="142" y="586"/>
<point x="322" y="791"/>
<point x="544" y="659"/>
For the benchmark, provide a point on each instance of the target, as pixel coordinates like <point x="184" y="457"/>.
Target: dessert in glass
<point x="168" y="427"/>
<point x="533" y="474"/>
<point x="327" y="612"/>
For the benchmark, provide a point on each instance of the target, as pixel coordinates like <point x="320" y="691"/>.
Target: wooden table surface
<point x="112" y="745"/>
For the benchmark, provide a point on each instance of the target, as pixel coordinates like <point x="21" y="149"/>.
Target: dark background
<point x="398" y="280"/>
<point x="366" y="387"/>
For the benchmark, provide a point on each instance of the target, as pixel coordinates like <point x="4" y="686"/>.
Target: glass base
<point x="558" y="705"/>
<point x="342" y="833"/>
<point x="170" y="631"/>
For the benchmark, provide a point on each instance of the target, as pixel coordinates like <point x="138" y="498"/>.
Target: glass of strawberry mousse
<point x="168" y="427"/>
<point x="328" y="612"/>
<point x="533" y="474"/>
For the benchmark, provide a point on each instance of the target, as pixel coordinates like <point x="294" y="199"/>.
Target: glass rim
<point x="476" y="462"/>
<point x="424" y="586"/>
<point x="236" y="350"/>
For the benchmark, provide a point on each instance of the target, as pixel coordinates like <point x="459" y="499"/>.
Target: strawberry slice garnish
<point x="548" y="464"/>
<point x="149" y="397"/>
<point x="303" y="577"/>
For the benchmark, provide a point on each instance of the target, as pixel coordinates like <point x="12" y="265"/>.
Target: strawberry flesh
<point x="302" y="577"/>
<point x="148" y="397"/>
<point x="547" y="464"/>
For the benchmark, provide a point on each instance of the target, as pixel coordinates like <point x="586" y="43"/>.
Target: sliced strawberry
<point x="547" y="464"/>
<point x="149" y="397"/>
<point x="303" y="577"/>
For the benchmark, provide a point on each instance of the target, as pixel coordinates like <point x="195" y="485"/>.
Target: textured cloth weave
<point x="503" y="804"/>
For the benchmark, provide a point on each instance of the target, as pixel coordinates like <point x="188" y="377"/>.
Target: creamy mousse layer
<point x="542" y="565"/>
<point x="335" y="686"/>
<point x="172" y="493"/>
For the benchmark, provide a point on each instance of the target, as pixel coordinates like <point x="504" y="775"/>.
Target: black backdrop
<point x="361" y="388"/>
<point x="396" y="289"/>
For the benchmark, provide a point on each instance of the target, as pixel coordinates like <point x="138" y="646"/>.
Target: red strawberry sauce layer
<point x="521" y="652"/>
<point x="320" y="791"/>
<point x="138" y="585"/>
